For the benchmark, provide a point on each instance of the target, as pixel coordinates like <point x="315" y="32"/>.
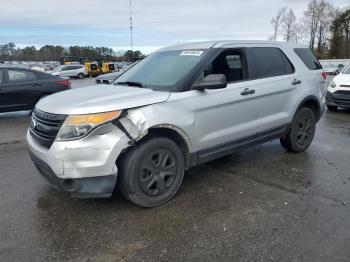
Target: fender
<point x="315" y="100"/>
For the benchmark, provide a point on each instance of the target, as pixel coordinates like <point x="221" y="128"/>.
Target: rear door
<point x="66" y="71"/>
<point x="275" y="84"/>
<point x="20" y="90"/>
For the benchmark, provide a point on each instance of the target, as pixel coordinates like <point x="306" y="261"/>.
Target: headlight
<point x="333" y="84"/>
<point x="78" y="126"/>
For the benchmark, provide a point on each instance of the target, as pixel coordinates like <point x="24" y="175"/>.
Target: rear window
<point x="308" y="58"/>
<point x="269" y="62"/>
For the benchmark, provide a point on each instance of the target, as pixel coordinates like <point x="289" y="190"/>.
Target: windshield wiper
<point x="131" y="83"/>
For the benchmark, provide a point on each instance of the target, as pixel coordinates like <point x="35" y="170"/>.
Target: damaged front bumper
<point x="84" y="167"/>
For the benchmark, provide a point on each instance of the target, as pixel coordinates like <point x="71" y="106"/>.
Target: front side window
<point x="20" y="75"/>
<point x="229" y="63"/>
<point x="270" y="62"/>
<point x="162" y="70"/>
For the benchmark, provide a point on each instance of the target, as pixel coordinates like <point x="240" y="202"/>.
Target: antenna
<point x="131" y="27"/>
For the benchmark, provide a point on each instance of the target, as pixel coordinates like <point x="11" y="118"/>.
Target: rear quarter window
<point x="308" y="58"/>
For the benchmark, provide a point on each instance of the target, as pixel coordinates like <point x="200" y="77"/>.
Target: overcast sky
<point x="157" y="23"/>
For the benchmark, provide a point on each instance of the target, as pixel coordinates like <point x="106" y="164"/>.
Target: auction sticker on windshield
<point x="192" y="52"/>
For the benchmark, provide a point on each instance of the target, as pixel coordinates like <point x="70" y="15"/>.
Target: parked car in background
<point x="107" y="78"/>
<point x="21" y="89"/>
<point x="330" y="69"/>
<point x="38" y="68"/>
<point x="338" y="92"/>
<point x="74" y="71"/>
<point x="339" y="69"/>
<point x="141" y="132"/>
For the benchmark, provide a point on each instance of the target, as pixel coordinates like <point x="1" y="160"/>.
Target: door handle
<point x="37" y="85"/>
<point x="247" y="91"/>
<point x="296" y="82"/>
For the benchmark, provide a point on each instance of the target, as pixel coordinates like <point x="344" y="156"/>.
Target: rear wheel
<point x="151" y="173"/>
<point x="302" y="131"/>
<point x="80" y="76"/>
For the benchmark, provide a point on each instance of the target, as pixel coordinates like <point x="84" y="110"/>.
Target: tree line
<point x="324" y="27"/>
<point x="9" y="52"/>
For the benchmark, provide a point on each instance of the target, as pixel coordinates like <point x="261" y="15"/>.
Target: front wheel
<point x="151" y="173"/>
<point x="302" y="131"/>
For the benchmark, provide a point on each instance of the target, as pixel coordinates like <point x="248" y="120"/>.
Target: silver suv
<point x="179" y="107"/>
<point x="73" y="70"/>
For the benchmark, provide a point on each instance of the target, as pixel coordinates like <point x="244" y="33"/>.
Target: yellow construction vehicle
<point x="107" y="68"/>
<point x="92" y="68"/>
<point x="67" y="60"/>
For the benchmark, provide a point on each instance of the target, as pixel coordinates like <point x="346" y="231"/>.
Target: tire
<point x="80" y="76"/>
<point x="332" y="108"/>
<point x="151" y="173"/>
<point x="302" y="131"/>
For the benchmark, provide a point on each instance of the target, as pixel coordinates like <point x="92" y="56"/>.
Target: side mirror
<point x="212" y="81"/>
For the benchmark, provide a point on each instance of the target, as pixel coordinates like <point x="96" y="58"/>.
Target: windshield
<point x="347" y="70"/>
<point x="57" y="68"/>
<point x="161" y="70"/>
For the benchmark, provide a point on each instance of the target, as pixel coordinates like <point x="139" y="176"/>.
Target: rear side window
<point x="269" y="62"/>
<point x="308" y="58"/>
<point x="20" y="75"/>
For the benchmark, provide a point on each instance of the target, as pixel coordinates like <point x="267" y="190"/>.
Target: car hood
<point x="110" y="76"/>
<point x="99" y="98"/>
<point x="342" y="79"/>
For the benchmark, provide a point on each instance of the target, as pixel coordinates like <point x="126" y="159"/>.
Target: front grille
<point x="344" y="85"/>
<point x="45" y="126"/>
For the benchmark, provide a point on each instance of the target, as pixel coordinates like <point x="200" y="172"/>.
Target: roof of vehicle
<point x="40" y="73"/>
<point x="223" y="43"/>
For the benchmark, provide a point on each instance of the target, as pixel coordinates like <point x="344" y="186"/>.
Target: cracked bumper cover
<point x="84" y="167"/>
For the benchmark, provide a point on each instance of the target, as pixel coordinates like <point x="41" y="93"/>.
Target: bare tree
<point x="326" y="15"/>
<point x="276" y="23"/>
<point x="289" y="23"/>
<point x="300" y="33"/>
<point x="311" y="19"/>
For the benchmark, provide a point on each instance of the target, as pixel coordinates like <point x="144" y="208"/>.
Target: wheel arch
<point x="177" y="135"/>
<point x="313" y="103"/>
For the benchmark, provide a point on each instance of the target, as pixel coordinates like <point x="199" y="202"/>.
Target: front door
<point x="224" y="116"/>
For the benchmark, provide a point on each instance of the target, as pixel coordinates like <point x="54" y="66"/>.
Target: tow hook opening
<point x="69" y="184"/>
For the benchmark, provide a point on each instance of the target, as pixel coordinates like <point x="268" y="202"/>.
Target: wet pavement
<point x="261" y="204"/>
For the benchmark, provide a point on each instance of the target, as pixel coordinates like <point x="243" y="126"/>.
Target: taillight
<point x="66" y="83"/>
<point x="324" y="75"/>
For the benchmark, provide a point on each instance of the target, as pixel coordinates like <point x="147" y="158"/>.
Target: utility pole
<point x="131" y="28"/>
